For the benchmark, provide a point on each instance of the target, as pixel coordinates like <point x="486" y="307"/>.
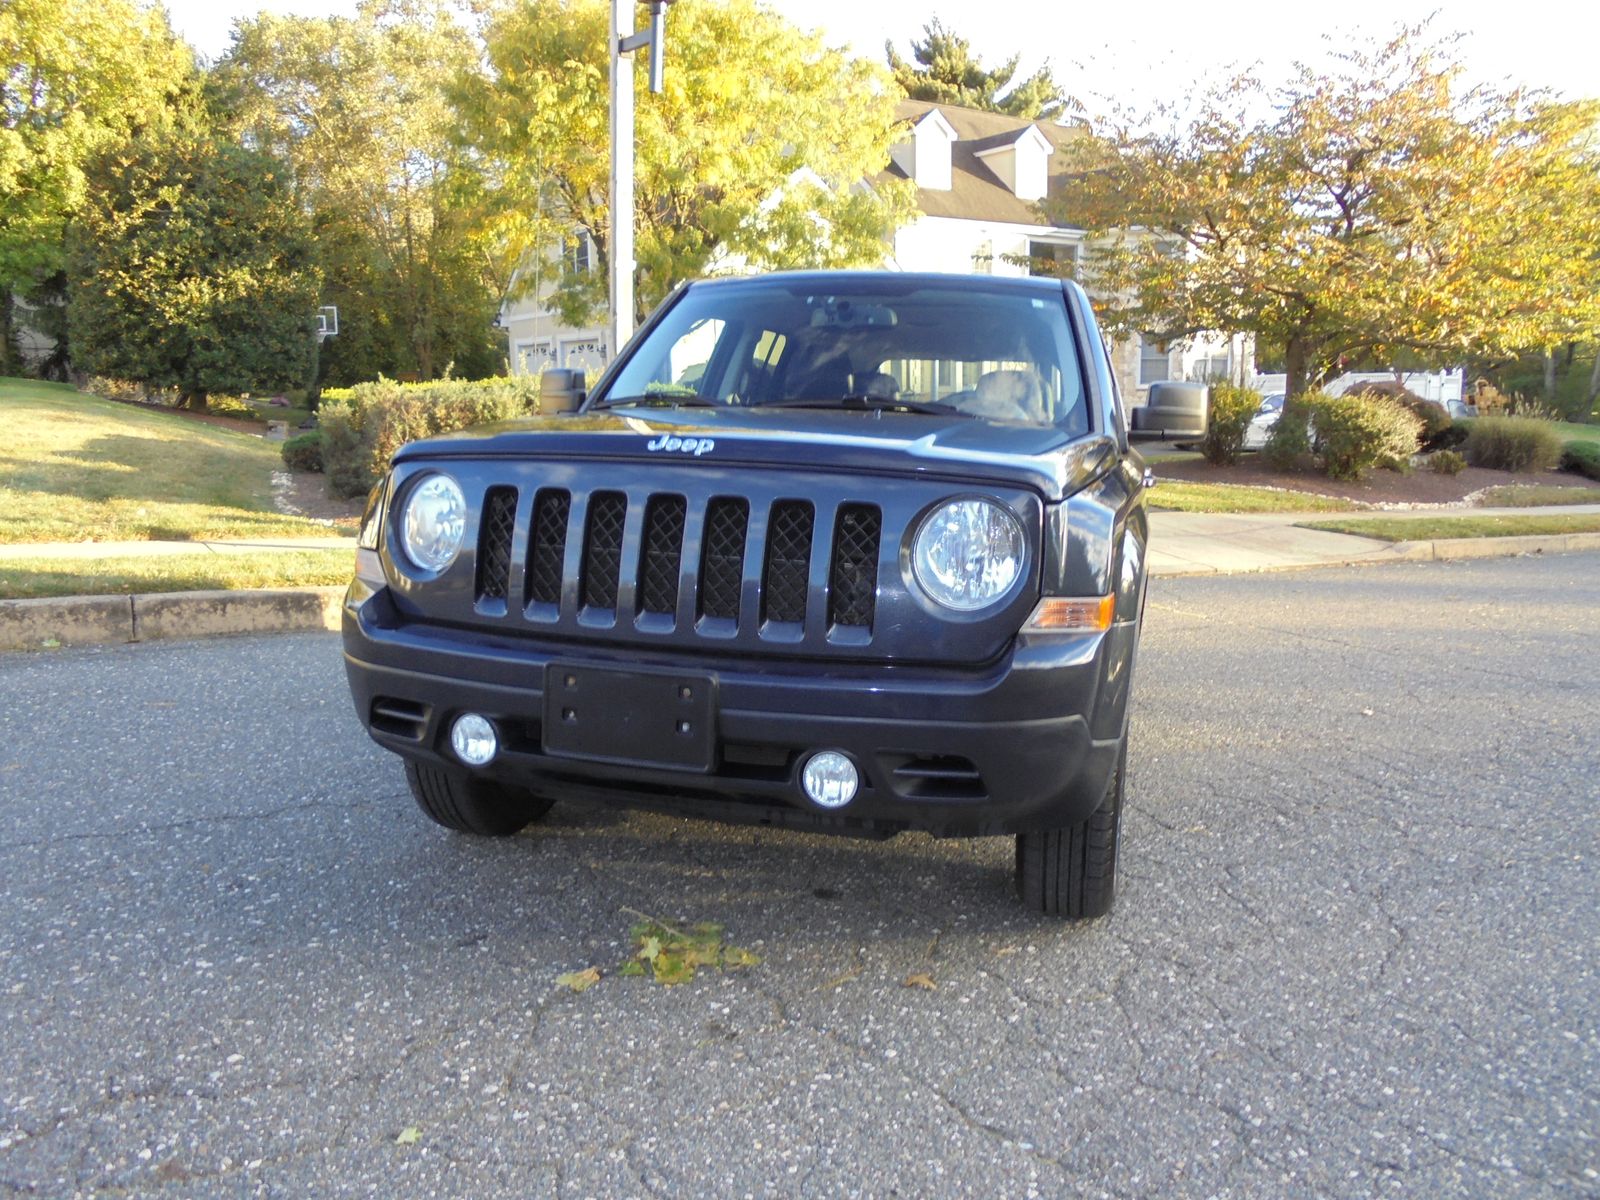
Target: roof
<point x="976" y="193"/>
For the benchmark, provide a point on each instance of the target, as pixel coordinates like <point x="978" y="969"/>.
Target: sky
<point x="1154" y="52"/>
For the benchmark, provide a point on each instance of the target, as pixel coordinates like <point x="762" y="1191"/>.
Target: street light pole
<point x="624" y="42"/>
<point x="621" y="260"/>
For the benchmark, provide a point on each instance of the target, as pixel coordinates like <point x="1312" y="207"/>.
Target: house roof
<point x="977" y="193"/>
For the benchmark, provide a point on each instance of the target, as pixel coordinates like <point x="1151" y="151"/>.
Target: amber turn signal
<point x="1064" y="614"/>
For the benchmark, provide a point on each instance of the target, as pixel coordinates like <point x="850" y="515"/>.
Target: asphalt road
<point x="1354" y="955"/>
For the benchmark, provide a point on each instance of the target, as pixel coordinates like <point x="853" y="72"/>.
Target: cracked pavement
<point x="1354" y="952"/>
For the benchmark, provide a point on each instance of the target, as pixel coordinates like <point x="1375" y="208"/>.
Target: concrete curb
<point x="99" y="620"/>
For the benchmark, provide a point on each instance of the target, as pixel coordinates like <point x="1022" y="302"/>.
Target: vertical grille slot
<point x="722" y="558"/>
<point x="494" y="542"/>
<point x="547" y="546"/>
<point x="602" y="549"/>
<point x="853" y="577"/>
<point x="663" y="554"/>
<point x="788" y="569"/>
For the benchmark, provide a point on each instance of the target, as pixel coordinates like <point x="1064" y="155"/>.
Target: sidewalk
<point x="80" y="550"/>
<point x="1236" y="543"/>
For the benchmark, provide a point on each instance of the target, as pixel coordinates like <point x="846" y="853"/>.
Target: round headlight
<point x="968" y="554"/>
<point x="434" y="522"/>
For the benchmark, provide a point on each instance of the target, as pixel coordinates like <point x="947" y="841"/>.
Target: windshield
<point x="968" y="347"/>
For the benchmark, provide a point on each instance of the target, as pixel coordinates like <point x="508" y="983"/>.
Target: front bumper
<point x="1027" y="742"/>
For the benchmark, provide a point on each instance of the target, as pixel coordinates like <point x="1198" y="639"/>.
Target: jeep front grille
<point x="602" y="550"/>
<point x="494" y="542"/>
<point x="722" y="557"/>
<point x="548" y="549"/>
<point x="663" y="555"/>
<point x="785" y="582"/>
<point x="637" y="566"/>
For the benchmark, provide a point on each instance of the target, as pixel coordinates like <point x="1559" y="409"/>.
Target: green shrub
<point x="1232" y="408"/>
<point x="1435" y="418"/>
<point x="1513" y="444"/>
<point x="303" y="452"/>
<point x="1356" y="433"/>
<point x="1288" y="446"/>
<point x="1446" y="462"/>
<point x="1582" y="458"/>
<point x="362" y="426"/>
<point x="1455" y="436"/>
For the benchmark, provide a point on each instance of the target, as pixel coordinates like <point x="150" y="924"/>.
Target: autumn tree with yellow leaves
<point x="1376" y="209"/>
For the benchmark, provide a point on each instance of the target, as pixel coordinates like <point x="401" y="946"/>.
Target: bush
<point x="1232" y="408"/>
<point x="1355" y="433"/>
<point x="304" y="452"/>
<point x="1447" y="462"/>
<point x="1288" y="447"/>
<point x="1455" y="436"/>
<point x="1435" y="418"/>
<point x="1582" y="458"/>
<point x="363" y="426"/>
<point x="1513" y="444"/>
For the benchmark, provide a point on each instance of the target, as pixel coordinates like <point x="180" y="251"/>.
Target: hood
<point x="1054" y="462"/>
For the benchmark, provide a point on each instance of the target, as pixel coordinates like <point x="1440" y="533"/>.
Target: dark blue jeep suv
<point x="858" y="552"/>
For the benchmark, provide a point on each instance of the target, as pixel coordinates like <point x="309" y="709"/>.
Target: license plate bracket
<point x="633" y="718"/>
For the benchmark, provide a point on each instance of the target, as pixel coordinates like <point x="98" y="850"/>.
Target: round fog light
<point x="472" y="738"/>
<point x="830" y="779"/>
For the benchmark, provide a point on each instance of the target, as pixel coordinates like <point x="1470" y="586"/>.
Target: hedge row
<point x="362" y="426"/>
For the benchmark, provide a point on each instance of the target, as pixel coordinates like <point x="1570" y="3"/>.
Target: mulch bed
<point x="307" y="492"/>
<point x="1379" y="487"/>
<point x="237" y="424"/>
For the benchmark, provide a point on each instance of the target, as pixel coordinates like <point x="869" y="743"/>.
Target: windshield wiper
<point x="656" y="400"/>
<point x="870" y="403"/>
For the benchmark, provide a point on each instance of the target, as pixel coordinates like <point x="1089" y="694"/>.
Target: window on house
<point x="1155" y="361"/>
<point x="575" y="257"/>
<point x="1052" y="258"/>
<point x="1210" y="366"/>
<point x="983" y="259"/>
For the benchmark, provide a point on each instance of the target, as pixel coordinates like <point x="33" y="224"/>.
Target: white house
<point x="979" y="178"/>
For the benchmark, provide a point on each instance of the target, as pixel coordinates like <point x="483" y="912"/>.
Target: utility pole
<point x="624" y="43"/>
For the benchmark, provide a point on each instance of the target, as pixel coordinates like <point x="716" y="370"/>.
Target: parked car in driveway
<point x="857" y="552"/>
<point x="1264" y="422"/>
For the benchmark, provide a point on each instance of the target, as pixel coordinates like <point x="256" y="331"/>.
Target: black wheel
<point x="473" y="805"/>
<point x="1072" y="872"/>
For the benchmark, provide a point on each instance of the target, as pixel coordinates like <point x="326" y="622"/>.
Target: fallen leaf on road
<point x="579" y="981"/>
<point x="921" y="979"/>
<point x="409" y="1136"/>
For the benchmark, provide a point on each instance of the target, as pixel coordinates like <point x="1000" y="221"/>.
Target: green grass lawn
<point x="77" y="468"/>
<point x="1424" y="529"/>
<point x="1573" y="432"/>
<point x="1538" y="495"/>
<point x="29" y="578"/>
<point x="1181" y="496"/>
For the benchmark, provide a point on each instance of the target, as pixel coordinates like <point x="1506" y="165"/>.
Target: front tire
<point x="1072" y="872"/>
<point x="470" y="805"/>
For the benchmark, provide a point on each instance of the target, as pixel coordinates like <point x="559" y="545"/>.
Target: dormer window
<point x="1021" y="163"/>
<point x="926" y="157"/>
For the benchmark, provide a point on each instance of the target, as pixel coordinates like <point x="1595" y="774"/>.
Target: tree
<point x="946" y="71"/>
<point x="192" y="269"/>
<point x="1376" y="210"/>
<point x="77" y="75"/>
<point x="361" y="110"/>
<point x="756" y="152"/>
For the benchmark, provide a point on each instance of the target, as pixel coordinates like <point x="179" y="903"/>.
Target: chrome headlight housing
<point x="968" y="553"/>
<point x="433" y="522"/>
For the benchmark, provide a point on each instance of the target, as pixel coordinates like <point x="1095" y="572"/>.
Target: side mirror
<point x="561" y="390"/>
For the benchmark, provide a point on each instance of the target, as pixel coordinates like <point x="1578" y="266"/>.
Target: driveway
<point x="1354" y="954"/>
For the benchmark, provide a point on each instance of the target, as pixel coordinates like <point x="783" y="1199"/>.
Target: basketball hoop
<point x="327" y="321"/>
